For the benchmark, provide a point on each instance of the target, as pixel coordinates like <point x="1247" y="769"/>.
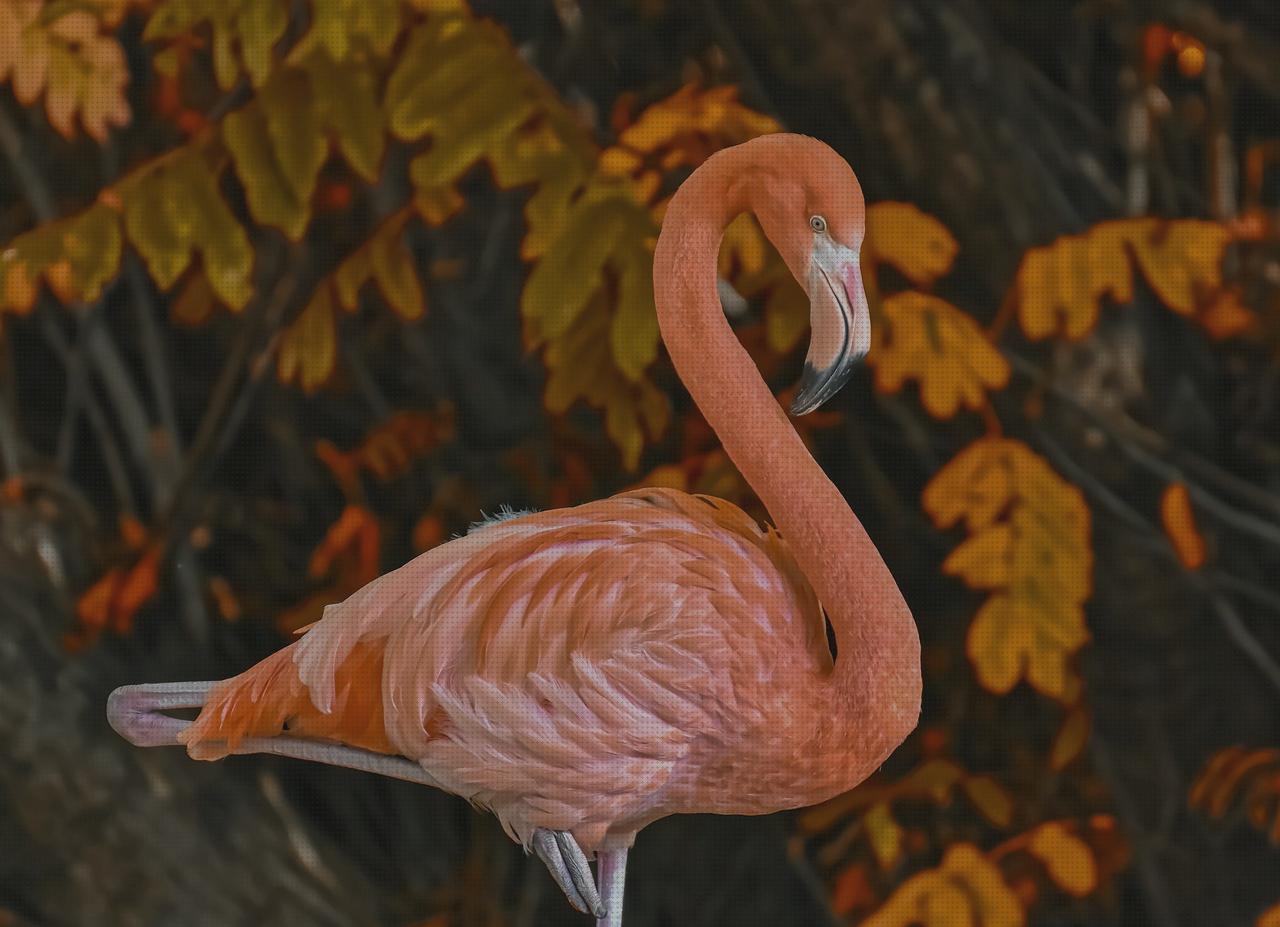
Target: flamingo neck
<point x="876" y="678"/>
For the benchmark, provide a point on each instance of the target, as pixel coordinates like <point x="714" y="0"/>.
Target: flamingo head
<point x="811" y="207"/>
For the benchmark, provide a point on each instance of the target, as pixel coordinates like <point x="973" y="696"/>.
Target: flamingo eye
<point x="818" y="224"/>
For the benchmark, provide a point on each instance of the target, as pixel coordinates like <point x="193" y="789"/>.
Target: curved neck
<point x="877" y="672"/>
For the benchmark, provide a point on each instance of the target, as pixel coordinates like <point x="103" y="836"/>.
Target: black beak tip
<point x="811" y="392"/>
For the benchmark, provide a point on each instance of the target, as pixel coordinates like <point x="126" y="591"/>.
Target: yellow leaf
<point x="989" y="798"/>
<point x="1067" y="858"/>
<point x="917" y="244"/>
<point x="394" y="270"/>
<point x="690" y="124"/>
<point x="1070" y="739"/>
<point x="1182" y="260"/>
<point x="309" y="347"/>
<point x="929" y="340"/>
<point x="1180" y="525"/>
<point x="884" y="834"/>
<point x="1030" y="545"/>
<point x="1059" y="287"/>
<point x="967" y="890"/>
<point x="983" y="560"/>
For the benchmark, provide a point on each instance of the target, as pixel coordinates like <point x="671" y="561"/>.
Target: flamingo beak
<point x="840" y="323"/>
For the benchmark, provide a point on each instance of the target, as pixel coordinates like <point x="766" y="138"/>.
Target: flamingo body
<point x="586" y="670"/>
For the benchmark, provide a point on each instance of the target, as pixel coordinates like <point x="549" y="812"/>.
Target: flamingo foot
<point x="136" y="713"/>
<point x="569" y="867"/>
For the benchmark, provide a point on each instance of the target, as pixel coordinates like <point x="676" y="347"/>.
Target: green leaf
<point x="431" y="74"/>
<point x="154" y="229"/>
<point x="93" y="247"/>
<point x="561" y="283"/>
<point x="259" y="25"/>
<point x="222" y="241"/>
<point x="634" y="332"/>
<point x="295" y="129"/>
<point x="272" y="193"/>
<point x="349" y="106"/>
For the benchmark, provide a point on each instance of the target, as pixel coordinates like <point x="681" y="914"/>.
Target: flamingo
<point x="583" y="672"/>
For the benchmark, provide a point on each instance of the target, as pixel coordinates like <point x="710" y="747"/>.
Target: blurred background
<point x="292" y="290"/>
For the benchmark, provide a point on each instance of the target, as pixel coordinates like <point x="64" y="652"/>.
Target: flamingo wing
<point x="558" y="667"/>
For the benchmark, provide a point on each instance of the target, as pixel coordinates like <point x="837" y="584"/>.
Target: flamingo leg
<point x="569" y="867"/>
<point x="612" y="866"/>
<point x="137" y="713"/>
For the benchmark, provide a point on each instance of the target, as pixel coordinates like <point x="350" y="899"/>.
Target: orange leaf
<point x="353" y="539"/>
<point x="1070" y="739"/>
<point x="852" y="890"/>
<point x="138" y="585"/>
<point x="967" y="890"/>
<point x="1067" y="858"/>
<point x="1180" y="525"/>
<point x="1269" y="917"/>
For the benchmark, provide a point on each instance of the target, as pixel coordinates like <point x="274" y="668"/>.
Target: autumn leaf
<point x="884" y="834"/>
<point x="684" y="130"/>
<point x="75" y="257"/>
<point x="384" y="259"/>
<point x="390" y="448"/>
<point x="69" y="56"/>
<point x="114" y="600"/>
<point x="1249" y="776"/>
<point x="1070" y="739"/>
<point x="852" y="890"/>
<point x="1029" y="545"/>
<point x="1269" y="917"/>
<point x="1180" y="525"/>
<point x="309" y="347"/>
<point x="1059" y="287"/>
<point x="916" y="244"/>
<point x="929" y="340"/>
<point x="348" y="556"/>
<point x="990" y="799"/>
<point x="244" y="33"/>
<point x="966" y="889"/>
<point x="278" y="145"/>
<point x="1066" y="858"/>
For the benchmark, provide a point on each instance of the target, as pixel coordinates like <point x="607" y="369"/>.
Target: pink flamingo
<point x="583" y="672"/>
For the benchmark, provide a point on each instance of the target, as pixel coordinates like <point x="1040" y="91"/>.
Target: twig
<point x="111" y="457"/>
<point x="214" y="433"/>
<point x="1236" y="629"/>
<point x="10" y="443"/>
<point x="1245" y="522"/>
